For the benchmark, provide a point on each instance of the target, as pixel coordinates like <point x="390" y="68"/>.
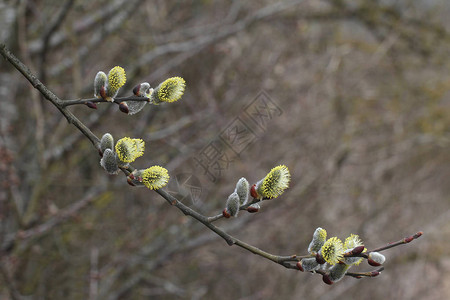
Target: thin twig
<point x="365" y="274"/>
<point x="215" y="218"/>
<point x="66" y="103"/>
<point x="242" y="207"/>
<point x="190" y="212"/>
<point x="406" y="240"/>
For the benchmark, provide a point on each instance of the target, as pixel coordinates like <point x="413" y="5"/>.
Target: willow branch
<point x="365" y="274"/>
<point x="403" y="241"/>
<point x="227" y="237"/>
<point x="49" y="95"/>
<point x="66" y="103"/>
<point x="286" y="261"/>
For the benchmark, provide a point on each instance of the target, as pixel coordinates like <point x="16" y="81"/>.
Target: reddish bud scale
<point x="373" y="263"/>
<point x="226" y="214"/>
<point x="123" y="107"/>
<point x="91" y="104"/>
<point x="252" y="209"/>
<point x="131" y="176"/>
<point x="100" y="153"/>
<point x="357" y="250"/>
<point x="136" y="89"/>
<point x="419" y="234"/>
<point x="409" y="239"/>
<point x="253" y="192"/>
<point x="299" y="266"/>
<point x="130" y="181"/>
<point x="319" y="259"/>
<point x="103" y="92"/>
<point x="375" y="273"/>
<point x="327" y="279"/>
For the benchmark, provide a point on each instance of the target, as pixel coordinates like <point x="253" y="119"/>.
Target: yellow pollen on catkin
<point x="276" y="182"/>
<point x="155" y="177"/>
<point x="116" y="78"/>
<point x="332" y="251"/>
<point x="171" y="89"/>
<point x="128" y="149"/>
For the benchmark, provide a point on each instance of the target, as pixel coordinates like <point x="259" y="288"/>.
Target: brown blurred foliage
<point x="364" y="91"/>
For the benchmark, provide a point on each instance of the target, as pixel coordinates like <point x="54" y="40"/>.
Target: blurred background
<point x="352" y="95"/>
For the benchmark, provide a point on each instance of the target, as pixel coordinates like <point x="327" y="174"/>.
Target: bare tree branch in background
<point x="51" y="29"/>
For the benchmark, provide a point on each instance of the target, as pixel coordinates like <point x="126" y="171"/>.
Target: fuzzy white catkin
<point x="377" y="257"/>
<point x="243" y="190"/>
<point x="309" y="264"/>
<point x="319" y="237"/>
<point x="232" y="205"/>
<point x="106" y="142"/>
<point x="109" y="162"/>
<point x="100" y="83"/>
<point x="338" y="271"/>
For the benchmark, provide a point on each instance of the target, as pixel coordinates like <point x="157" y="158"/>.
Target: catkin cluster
<point x="334" y="257"/>
<point x="126" y="151"/>
<point x="107" y="87"/>
<point x="271" y="186"/>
